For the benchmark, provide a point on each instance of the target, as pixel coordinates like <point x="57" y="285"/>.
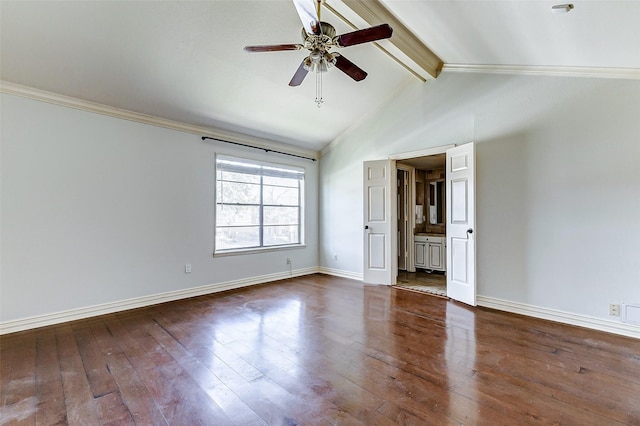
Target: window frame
<point x="263" y="165"/>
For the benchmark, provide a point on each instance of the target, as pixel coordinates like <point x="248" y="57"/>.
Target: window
<point x="258" y="204"/>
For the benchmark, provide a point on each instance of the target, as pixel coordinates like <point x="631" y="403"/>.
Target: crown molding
<point x="593" y="72"/>
<point x="80" y="104"/>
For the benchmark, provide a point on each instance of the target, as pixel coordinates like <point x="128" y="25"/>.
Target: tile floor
<point x="434" y="283"/>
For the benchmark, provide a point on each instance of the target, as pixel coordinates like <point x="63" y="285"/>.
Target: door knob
<point x="469" y="231"/>
<point x="366" y="227"/>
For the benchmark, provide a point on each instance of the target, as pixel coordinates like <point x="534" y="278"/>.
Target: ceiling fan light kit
<point x="318" y="38"/>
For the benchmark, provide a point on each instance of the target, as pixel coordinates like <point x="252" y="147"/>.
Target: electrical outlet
<point x="187" y="268"/>
<point x="614" y="310"/>
<point x="288" y="261"/>
<point x="335" y="256"/>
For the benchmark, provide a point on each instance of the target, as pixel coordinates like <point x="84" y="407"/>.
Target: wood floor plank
<point x="254" y="399"/>
<point x="113" y="410"/>
<point x="51" y="408"/>
<point x="394" y="414"/>
<point x="584" y="387"/>
<point x="527" y="405"/>
<point x="219" y="392"/>
<point x="20" y="401"/>
<point x="100" y="379"/>
<point x="331" y="394"/>
<point x="318" y="363"/>
<point x="188" y="367"/>
<point x="7" y="354"/>
<point x="157" y="369"/>
<point x="318" y="350"/>
<point x="139" y="401"/>
<point x="247" y="327"/>
<point x="81" y="409"/>
<point x="214" y="359"/>
<point x="300" y="410"/>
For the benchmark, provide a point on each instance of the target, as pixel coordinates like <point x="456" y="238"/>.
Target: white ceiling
<point x="525" y="32"/>
<point x="183" y="60"/>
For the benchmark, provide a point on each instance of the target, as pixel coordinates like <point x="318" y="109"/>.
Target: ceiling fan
<point x="319" y="38"/>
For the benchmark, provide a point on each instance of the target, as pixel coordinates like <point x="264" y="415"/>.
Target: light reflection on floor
<point x="460" y="352"/>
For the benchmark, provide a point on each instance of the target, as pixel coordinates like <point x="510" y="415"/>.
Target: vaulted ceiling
<point x="183" y="60"/>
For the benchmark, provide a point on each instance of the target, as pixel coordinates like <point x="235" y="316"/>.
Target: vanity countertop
<point x="429" y="234"/>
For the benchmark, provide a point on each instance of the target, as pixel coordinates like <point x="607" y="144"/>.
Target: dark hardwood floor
<point x="318" y="350"/>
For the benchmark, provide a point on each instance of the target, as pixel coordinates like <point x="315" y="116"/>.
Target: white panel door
<point x="461" y="242"/>
<point x="379" y="216"/>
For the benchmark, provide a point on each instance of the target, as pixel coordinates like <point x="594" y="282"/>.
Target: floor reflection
<point x="460" y="356"/>
<point x="320" y="350"/>
<point x="405" y="344"/>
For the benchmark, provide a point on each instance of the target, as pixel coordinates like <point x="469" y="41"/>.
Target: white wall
<point x="558" y="182"/>
<point x="97" y="210"/>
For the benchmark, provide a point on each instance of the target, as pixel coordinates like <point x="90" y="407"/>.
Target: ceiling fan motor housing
<point x="326" y="38"/>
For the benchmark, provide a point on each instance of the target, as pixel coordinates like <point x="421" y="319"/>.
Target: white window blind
<point x="258" y="204"/>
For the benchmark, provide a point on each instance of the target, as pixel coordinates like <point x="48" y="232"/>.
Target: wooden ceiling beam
<point x="373" y="12"/>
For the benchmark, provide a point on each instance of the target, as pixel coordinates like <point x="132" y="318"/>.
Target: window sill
<point x="237" y="252"/>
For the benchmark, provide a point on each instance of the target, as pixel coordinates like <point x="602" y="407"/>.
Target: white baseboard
<point x="560" y="316"/>
<point x="340" y="273"/>
<point x="139" y="302"/>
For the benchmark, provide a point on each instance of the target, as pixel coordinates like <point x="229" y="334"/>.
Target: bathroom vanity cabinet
<point x="430" y="252"/>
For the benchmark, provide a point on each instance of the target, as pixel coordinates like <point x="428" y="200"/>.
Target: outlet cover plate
<point x="614" y="310"/>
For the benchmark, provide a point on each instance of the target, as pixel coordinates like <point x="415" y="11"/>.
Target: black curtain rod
<point x="257" y="147"/>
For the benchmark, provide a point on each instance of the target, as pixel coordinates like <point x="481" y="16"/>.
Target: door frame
<point x="411" y="173"/>
<point x="442" y="149"/>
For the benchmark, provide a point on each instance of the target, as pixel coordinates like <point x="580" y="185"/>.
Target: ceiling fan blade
<point x="272" y="47"/>
<point x="349" y="68"/>
<point x="299" y="76"/>
<point x="308" y="15"/>
<point x="378" y="32"/>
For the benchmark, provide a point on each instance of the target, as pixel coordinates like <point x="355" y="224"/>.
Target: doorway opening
<point x="421" y="217"/>
<point x="455" y="239"/>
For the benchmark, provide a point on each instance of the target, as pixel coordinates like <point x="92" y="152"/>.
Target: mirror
<point x="436" y="202"/>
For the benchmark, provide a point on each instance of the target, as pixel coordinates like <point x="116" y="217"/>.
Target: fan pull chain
<point x="319" y="99"/>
